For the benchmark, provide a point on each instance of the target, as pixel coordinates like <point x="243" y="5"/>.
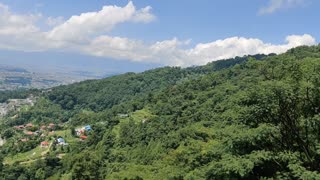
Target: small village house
<point x="61" y="141"/>
<point x="44" y="144"/>
<point x="43" y="128"/>
<point x="29" y="133"/>
<point x="20" y="127"/>
<point x="51" y="125"/>
<point x="29" y="125"/>
<point x="87" y="128"/>
<point x="81" y="131"/>
<point x="24" y="140"/>
<point x="83" y="137"/>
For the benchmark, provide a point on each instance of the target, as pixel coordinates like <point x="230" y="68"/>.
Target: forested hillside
<point x="98" y="95"/>
<point x="254" y="117"/>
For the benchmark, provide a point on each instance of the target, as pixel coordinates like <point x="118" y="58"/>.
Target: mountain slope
<point x="245" y="118"/>
<point x="98" y="95"/>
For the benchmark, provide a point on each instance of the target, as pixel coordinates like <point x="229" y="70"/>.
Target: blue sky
<point x="150" y="33"/>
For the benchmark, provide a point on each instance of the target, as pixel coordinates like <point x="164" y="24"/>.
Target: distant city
<point x="12" y="78"/>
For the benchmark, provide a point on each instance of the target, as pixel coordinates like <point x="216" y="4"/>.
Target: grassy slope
<point x="28" y="156"/>
<point x="137" y="116"/>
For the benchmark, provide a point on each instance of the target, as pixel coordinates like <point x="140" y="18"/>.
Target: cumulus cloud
<point x="87" y="33"/>
<point x="275" y="5"/>
<point x="240" y="46"/>
<point x="79" y="28"/>
<point x="144" y="15"/>
<point x="17" y="31"/>
<point x="172" y="52"/>
<point x="16" y="24"/>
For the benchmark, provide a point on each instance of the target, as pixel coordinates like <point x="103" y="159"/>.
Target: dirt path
<point x="30" y="161"/>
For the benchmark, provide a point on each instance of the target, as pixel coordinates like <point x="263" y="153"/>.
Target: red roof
<point x="24" y="140"/>
<point x="83" y="137"/>
<point x="44" y="143"/>
<point x="19" y="127"/>
<point x="29" y="125"/>
<point x="29" y="133"/>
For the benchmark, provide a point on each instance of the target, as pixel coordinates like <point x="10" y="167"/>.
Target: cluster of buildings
<point x="59" y="141"/>
<point x="31" y="130"/>
<point x="81" y="132"/>
<point x="15" y="105"/>
<point x="42" y="128"/>
<point x="23" y="127"/>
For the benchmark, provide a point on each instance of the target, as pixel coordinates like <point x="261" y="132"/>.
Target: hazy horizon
<point x="106" y="37"/>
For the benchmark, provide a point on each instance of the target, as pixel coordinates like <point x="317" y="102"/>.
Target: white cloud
<point x="16" y="24"/>
<point x="171" y="52"/>
<point x="240" y="46"/>
<point x="117" y="48"/>
<point x="19" y="32"/>
<point x="144" y="15"/>
<point x="275" y="5"/>
<point x="55" y="21"/>
<point x="87" y="34"/>
<point x="79" y="28"/>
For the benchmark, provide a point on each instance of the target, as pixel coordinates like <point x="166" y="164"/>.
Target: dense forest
<point x="251" y="117"/>
<point x="17" y="94"/>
